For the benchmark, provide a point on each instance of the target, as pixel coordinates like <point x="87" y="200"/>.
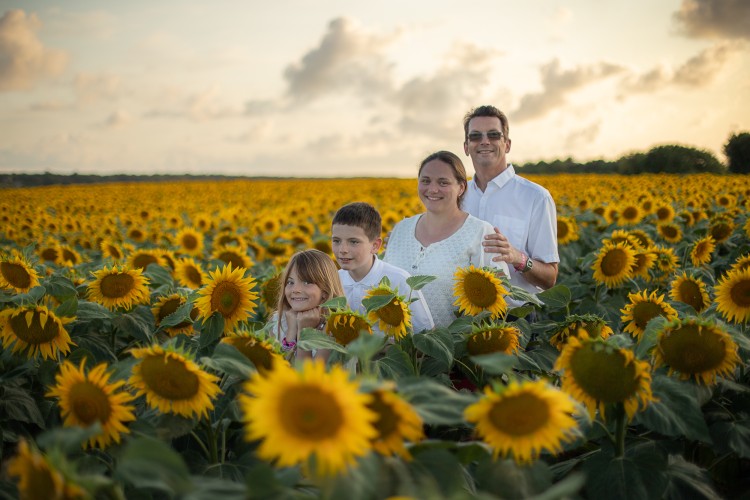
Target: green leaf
<point x="310" y="338"/>
<point x="336" y="303"/>
<point x="640" y="473"/>
<point x="733" y="434"/>
<point x="228" y="359"/>
<point x="211" y="330"/>
<point x="650" y="335"/>
<point x="135" y="326"/>
<point x="507" y="479"/>
<point x="158" y="276"/>
<point x="180" y="315"/>
<point x="521" y="311"/>
<point x="687" y="480"/>
<point x="59" y="286"/>
<point x="378" y="301"/>
<point x="33" y="296"/>
<point x="211" y="488"/>
<point x="88" y="311"/>
<point x="16" y="404"/>
<point x="436" y="343"/>
<point x="68" y="439"/>
<point x="151" y="463"/>
<point x="676" y="411"/>
<point x="419" y="281"/>
<point x="366" y="346"/>
<point x="557" y="297"/>
<point x="435" y="403"/>
<point x="68" y="308"/>
<point x="395" y="364"/>
<point x="522" y="295"/>
<point x="496" y="363"/>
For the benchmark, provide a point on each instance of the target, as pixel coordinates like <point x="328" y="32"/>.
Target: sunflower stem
<point x="200" y="443"/>
<point x="620" y="428"/>
<point x="213" y="455"/>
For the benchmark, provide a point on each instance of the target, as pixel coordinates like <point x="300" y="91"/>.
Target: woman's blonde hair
<point x="315" y="267"/>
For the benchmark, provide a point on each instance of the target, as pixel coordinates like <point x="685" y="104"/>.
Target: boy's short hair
<point x="360" y="214"/>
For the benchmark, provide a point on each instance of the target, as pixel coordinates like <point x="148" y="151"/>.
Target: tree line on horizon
<point x="670" y="158"/>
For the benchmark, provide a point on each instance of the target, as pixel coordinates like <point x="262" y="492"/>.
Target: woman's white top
<point x="440" y="259"/>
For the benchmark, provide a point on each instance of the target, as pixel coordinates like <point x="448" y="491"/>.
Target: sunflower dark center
<point x="69" y="256"/>
<point x="602" y="374"/>
<point x="692" y="349"/>
<point x="345" y="328"/>
<point x="562" y="229"/>
<point x="232" y="258"/>
<point x="225" y="298"/>
<point x="169" y="378"/>
<point x="15" y="274"/>
<point x="190" y="242"/>
<point x="520" y="415"/>
<point x="194" y="275"/>
<point x="479" y="290"/>
<point x="256" y="352"/>
<point x="89" y="403"/>
<point x="143" y="260"/>
<point x="740" y="294"/>
<point x="114" y="252"/>
<point x="630" y="213"/>
<point x="168" y="308"/>
<point x="50" y="254"/>
<point x="663" y="213"/>
<point x="310" y="413"/>
<point x="643" y="312"/>
<point x="689" y="292"/>
<point x="721" y="231"/>
<point x="498" y="340"/>
<point x="387" y="420"/>
<point x="614" y="262"/>
<point x="392" y="313"/>
<point x="33" y="332"/>
<point x="115" y="286"/>
<point x="669" y="231"/>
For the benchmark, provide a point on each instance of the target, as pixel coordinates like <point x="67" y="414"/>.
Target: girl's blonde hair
<point x="315" y="267"/>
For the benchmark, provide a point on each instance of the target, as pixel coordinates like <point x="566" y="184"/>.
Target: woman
<point x="442" y="238"/>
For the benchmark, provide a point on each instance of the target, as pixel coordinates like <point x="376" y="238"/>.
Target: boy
<point x="355" y="240"/>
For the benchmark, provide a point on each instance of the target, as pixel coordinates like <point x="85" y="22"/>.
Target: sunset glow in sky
<point x="350" y="88"/>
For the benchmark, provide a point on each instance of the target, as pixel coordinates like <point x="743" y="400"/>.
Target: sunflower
<point x="189" y="273"/>
<point x="68" y="256"/>
<point x="664" y="213"/>
<point x="670" y="232"/>
<point x="303" y="414"/>
<point x="230" y="294"/>
<point x="666" y="260"/>
<point x="622" y="236"/>
<point x="393" y="318"/>
<point x="524" y="419"/>
<point x="478" y="289"/>
<point x="262" y="353"/>
<point x="613" y="264"/>
<point x="36" y="330"/>
<point x="119" y="287"/>
<point x="137" y="235"/>
<point x="233" y="255"/>
<point x="733" y="296"/>
<point x="741" y="263"/>
<point x="696" y="348"/>
<point x="346" y="326"/>
<point x="701" y="252"/>
<point x="38" y="479"/>
<point x="140" y="259"/>
<point x="721" y="228"/>
<point x="590" y="324"/>
<point x="172" y="382"/>
<point x="169" y="304"/>
<point x="396" y="422"/>
<point x="17" y="273"/>
<point x="169" y="258"/>
<point x="110" y="249"/>
<point x="190" y="241"/>
<point x="598" y="374"/>
<point x="643" y="307"/>
<point x="631" y="214"/>
<point x="493" y="338"/>
<point x="270" y="289"/>
<point x="87" y="398"/>
<point x="644" y="240"/>
<point x="567" y="230"/>
<point x="644" y="262"/>
<point x="690" y="290"/>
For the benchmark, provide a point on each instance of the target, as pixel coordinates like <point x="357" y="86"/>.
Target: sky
<point x="342" y="88"/>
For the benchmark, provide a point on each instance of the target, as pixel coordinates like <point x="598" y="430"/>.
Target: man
<point x="522" y="212"/>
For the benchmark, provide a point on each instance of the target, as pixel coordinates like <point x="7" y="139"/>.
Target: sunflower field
<point x="135" y="363"/>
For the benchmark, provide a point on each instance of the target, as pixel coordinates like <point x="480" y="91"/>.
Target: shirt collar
<point x="370" y="280"/>
<point x="504" y="177"/>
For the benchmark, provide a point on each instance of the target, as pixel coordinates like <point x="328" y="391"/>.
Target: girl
<point x="310" y="279"/>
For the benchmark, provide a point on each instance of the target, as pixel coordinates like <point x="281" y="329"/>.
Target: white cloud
<point x="714" y="18"/>
<point x="24" y="60"/>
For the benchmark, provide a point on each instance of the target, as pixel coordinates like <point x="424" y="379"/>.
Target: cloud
<point x="201" y="106"/>
<point x="118" y="119"/>
<point x="347" y="58"/>
<point x="698" y="71"/>
<point x="90" y="88"/>
<point x="714" y="18"/>
<point x="584" y="136"/>
<point x="23" y="58"/>
<point x="557" y="84"/>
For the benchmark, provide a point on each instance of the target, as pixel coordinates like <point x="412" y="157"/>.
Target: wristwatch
<point x="525" y="265"/>
<point x="528" y="266"/>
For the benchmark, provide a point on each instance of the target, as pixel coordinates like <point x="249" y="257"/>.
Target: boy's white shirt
<point x="355" y="291"/>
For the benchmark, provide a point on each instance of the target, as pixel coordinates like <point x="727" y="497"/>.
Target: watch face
<point x="529" y="265"/>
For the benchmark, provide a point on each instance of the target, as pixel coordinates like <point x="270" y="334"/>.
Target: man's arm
<point x="542" y="274"/>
